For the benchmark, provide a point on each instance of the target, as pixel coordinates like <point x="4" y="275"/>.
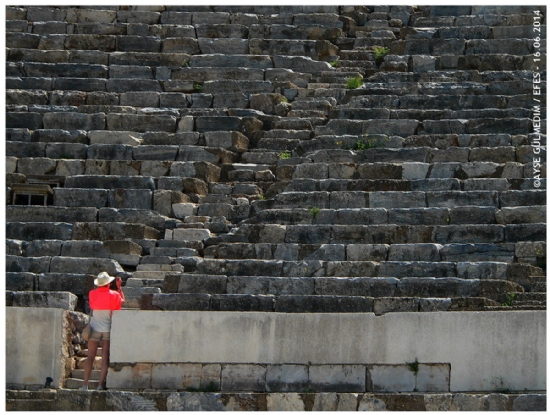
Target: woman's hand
<point x="118" y="282"/>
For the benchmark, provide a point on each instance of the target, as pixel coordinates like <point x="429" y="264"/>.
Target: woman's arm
<point x="118" y="282"/>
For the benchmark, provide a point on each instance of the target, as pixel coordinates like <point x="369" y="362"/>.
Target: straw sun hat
<point x="103" y="279"/>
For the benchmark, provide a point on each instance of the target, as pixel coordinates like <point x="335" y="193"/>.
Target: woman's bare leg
<point x="92" y="350"/>
<point x="104" y="362"/>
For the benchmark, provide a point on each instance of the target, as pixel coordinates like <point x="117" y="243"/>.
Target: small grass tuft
<point x="334" y="63"/>
<point x="509" y="300"/>
<point x="198" y="87"/>
<point x="380" y="52"/>
<point x="314" y="211"/>
<point x="354" y="83"/>
<point x="285" y="155"/>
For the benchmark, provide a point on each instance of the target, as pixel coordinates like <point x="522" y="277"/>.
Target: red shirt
<point x="103" y="298"/>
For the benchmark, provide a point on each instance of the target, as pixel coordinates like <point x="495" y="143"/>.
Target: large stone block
<point x="110" y="182"/>
<point x="22" y="149"/>
<point x="336" y="378"/>
<point x="38" y="230"/>
<point x="74" y="121"/>
<point x="392" y="378"/>
<point x="176" y="376"/>
<point x="530" y="402"/>
<point x="26" y="363"/>
<point x="138" y="216"/>
<point x="31" y="120"/>
<point x="15" y="263"/>
<point x="140" y="123"/>
<point x="84" y="265"/>
<point x="136" y="376"/>
<point x="49" y="214"/>
<point x="419" y="216"/>
<point x="237" y="377"/>
<point x="478" y="252"/>
<point x="130" y="198"/>
<point x="113" y="231"/>
<point x="416" y="252"/>
<point x="196" y="153"/>
<point x="416" y="269"/>
<point x="300" y="64"/>
<point x="232" y="61"/>
<point x="287" y="378"/>
<point x="37" y="165"/>
<point x="367" y="252"/>
<point x="67" y="197"/>
<point x="197" y="283"/>
<point x="44" y="299"/>
<point x="155" y="152"/>
<point x="70" y="167"/>
<point x="230" y="140"/>
<point x="224" y="46"/>
<point x="397" y="200"/>
<point x="469" y="234"/>
<point x="20" y="281"/>
<point x="77" y="284"/>
<point x="433" y="377"/>
<point x="43" y="248"/>
<point x="191" y="234"/>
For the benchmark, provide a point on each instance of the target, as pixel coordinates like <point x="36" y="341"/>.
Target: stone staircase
<point x="291" y="159"/>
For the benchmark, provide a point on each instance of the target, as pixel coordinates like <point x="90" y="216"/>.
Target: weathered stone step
<point x="74" y="383"/>
<point x="50" y="214"/>
<point x="342" y="286"/>
<point x="315" y="303"/>
<point x="29" y="231"/>
<point x="384" y="99"/>
<point x="407" y="127"/>
<point x="290" y="31"/>
<point x="279" y="401"/>
<point x="43" y="299"/>
<point x="320" y="211"/>
<point x="389" y="233"/>
<point x="79" y="373"/>
<point x="407" y="164"/>
<point x="133" y="295"/>
<point x="372" y="260"/>
<point x="425" y="115"/>
<point x="428" y="185"/>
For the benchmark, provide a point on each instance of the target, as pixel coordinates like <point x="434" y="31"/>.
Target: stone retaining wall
<point x="486" y="351"/>
<point x="411" y="377"/>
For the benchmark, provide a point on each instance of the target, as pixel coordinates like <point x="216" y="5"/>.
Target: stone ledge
<point x="69" y="400"/>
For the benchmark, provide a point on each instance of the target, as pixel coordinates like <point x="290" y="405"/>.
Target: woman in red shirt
<point x="103" y="301"/>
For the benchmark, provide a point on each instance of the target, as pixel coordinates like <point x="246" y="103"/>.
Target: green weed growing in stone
<point x="509" y="300"/>
<point x="380" y="52"/>
<point x="261" y="197"/>
<point x="354" y="83"/>
<point x="334" y="63"/>
<point x="369" y="142"/>
<point x="198" y="87"/>
<point x="284" y="155"/>
<point x="413" y="366"/>
<point x="314" y="211"/>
